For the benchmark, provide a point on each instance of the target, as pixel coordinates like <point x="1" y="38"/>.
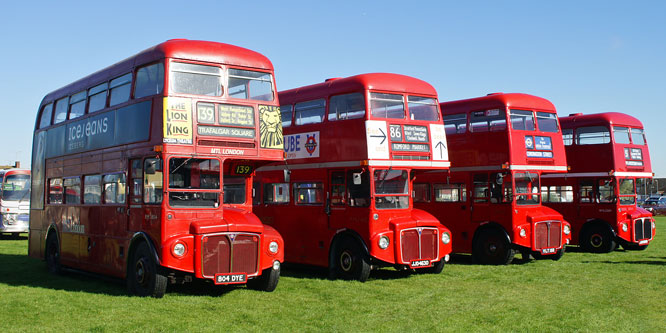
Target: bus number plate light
<point x="230" y="278"/>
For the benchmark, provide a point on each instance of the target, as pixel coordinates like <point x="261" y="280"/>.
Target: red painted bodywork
<point x="105" y="233"/>
<point x="488" y="153"/>
<point x="343" y="146"/>
<point x="602" y="162"/>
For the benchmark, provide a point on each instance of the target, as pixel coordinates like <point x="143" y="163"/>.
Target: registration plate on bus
<point x="230" y="278"/>
<point x="419" y="263"/>
<point x="643" y="242"/>
<point x="548" y="251"/>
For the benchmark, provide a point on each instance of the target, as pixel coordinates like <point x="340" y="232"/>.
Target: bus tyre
<point x="268" y="280"/>
<point x="436" y="268"/>
<point x="351" y="262"/>
<point x="53" y="254"/>
<point x="143" y="277"/>
<point x="598" y="239"/>
<point x="491" y="247"/>
<point x="557" y="256"/>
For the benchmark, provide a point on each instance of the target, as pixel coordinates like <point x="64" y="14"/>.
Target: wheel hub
<point x="346" y="261"/>
<point x="596" y="240"/>
<point x="140" y="271"/>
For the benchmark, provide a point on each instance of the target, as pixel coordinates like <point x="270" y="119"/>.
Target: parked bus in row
<point x="608" y="156"/>
<point x="143" y="170"/>
<point x="14" y="201"/>
<point x="499" y="145"/>
<point x="342" y="199"/>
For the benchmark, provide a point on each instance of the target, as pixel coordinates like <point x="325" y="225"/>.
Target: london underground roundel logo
<point x="310" y="144"/>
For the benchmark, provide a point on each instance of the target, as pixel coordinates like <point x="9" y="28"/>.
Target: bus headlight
<point x="446" y="238"/>
<point x="567" y="229"/>
<point x="179" y="249"/>
<point x="625" y="227"/>
<point x="273" y="247"/>
<point x="523" y="233"/>
<point x="383" y="242"/>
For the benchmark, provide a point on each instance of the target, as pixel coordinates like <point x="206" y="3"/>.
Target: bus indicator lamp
<point x="383" y="242"/>
<point x="625" y="227"/>
<point x="375" y="216"/>
<point x="157" y="149"/>
<point x="273" y="247"/>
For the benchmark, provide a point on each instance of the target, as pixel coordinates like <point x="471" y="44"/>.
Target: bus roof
<point x="175" y="48"/>
<point x="613" y="118"/>
<point x="372" y="81"/>
<point x="493" y="100"/>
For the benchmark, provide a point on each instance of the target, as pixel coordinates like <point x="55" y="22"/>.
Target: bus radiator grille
<point x="642" y="229"/>
<point x="547" y="234"/>
<point x="418" y="244"/>
<point x="221" y="254"/>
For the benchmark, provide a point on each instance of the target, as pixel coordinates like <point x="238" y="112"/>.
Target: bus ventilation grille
<point x="418" y="245"/>
<point x="226" y="144"/>
<point x="548" y="234"/>
<point x="642" y="229"/>
<point x="410" y="157"/>
<point x="229" y="253"/>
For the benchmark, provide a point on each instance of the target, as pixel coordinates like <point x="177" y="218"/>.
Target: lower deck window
<point x="308" y="193"/>
<point x="276" y="193"/>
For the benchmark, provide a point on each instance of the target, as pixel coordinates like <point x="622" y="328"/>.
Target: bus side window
<point x="55" y="191"/>
<point x="114" y="188"/>
<point x="481" y="191"/>
<point x="338" y="188"/>
<point x="277" y="193"/>
<point x="136" y="175"/>
<point x="586" y="193"/>
<point x="421" y="192"/>
<point x="72" y="188"/>
<point x="92" y="189"/>
<point x="149" y="80"/>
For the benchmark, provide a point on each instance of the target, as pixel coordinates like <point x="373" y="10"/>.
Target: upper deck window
<point x="120" y="89"/>
<point x="621" y="134"/>
<point x="250" y="85"/>
<point x="637" y="136"/>
<point x="195" y="79"/>
<point x="567" y="136"/>
<point x="97" y="97"/>
<point x="455" y="123"/>
<point x="61" y="110"/>
<point x="149" y="80"/>
<point x="286" y="112"/>
<point x="346" y="106"/>
<point x="547" y="122"/>
<point x="422" y="108"/>
<point x="489" y="120"/>
<point x="387" y="106"/>
<point x="47" y="112"/>
<point x="77" y="105"/>
<point x="310" y="112"/>
<point x="592" y="135"/>
<point x="522" y="120"/>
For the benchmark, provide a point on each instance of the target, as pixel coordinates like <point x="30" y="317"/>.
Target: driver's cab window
<point x="359" y="188"/>
<point x="152" y="181"/>
<point x="234" y="189"/>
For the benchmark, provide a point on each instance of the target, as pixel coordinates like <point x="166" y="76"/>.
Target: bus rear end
<point x="15" y="201"/>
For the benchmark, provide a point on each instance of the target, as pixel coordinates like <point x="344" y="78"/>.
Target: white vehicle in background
<point x="15" y="201"/>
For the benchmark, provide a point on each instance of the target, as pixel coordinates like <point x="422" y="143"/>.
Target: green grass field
<point x="620" y="291"/>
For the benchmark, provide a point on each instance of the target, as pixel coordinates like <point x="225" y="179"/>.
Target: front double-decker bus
<point x="342" y="199"/>
<point x="14" y="201"/>
<point x="499" y="145"/>
<point x="143" y="170"/>
<point x="608" y="155"/>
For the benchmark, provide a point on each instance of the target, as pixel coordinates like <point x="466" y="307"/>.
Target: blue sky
<point x="584" y="56"/>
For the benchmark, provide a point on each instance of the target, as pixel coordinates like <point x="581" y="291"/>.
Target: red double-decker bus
<point x="143" y="170"/>
<point x="342" y="199"/>
<point x="608" y="156"/>
<point x="499" y="145"/>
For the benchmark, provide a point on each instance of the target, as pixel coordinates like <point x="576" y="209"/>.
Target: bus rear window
<point x="195" y="79"/>
<point x="387" y="106"/>
<point x="422" y="108"/>
<point x="522" y="120"/>
<point x="637" y="136"/>
<point x="621" y="134"/>
<point x="547" y="122"/>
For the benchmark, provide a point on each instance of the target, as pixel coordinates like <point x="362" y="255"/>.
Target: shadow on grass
<point x="299" y="271"/>
<point x="13" y="237"/>
<point x="21" y="270"/>
<point x="633" y="262"/>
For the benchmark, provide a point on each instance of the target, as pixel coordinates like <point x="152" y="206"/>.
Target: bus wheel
<point x="557" y="256"/>
<point x="436" y="268"/>
<point x="633" y="246"/>
<point x="143" y="278"/>
<point x="53" y="254"/>
<point x="268" y="280"/>
<point x="492" y="248"/>
<point x="351" y="262"/>
<point x="598" y="239"/>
